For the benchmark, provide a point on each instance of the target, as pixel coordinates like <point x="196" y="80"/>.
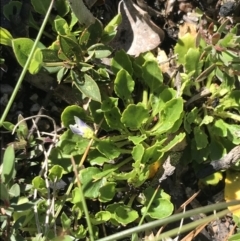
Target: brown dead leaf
<point x="187" y="27"/>
<point x="137" y="33"/>
<point x="163" y="60"/>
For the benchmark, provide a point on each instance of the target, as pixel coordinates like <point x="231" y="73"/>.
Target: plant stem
<point x="173" y="218"/>
<point x="18" y="85"/>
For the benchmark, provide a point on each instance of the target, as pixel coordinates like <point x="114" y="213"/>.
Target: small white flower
<point x="81" y="129"/>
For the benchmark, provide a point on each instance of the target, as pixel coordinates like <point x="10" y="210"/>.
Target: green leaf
<point x="152" y="153"/>
<point x="218" y="150"/>
<point x="112" y="113"/>
<point x="207" y="120"/>
<point x="125" y="215"/>
<point x="182" y="47"/>
<point x="176" y="140"/>
<point x="140" y="116"/>
<point x="107" y="192"/>
<point x="82" y="13"/>
<point x="121" y="61"/>
<point x="88" y="87"/>
<point x="200" y="137"/>
<point x="12" y="7"/>
<point x="92" y="34"/>
<point x="213" y="179"/>
<point x="8" y="165"/>
<point x="14" y="190"/>
<point x="61" y="26"/>
<point x="138" y="152"/>
<point x="55" y="173"/>
<point x="169" y="115"/>
<point x="22" y="48"/>
<point x="65" y="221"/>
<point x="124" y="86"/>
<point x="89" y="185"/>
<point x="113" y="119"/>
<point x="137" y="139"/>
<point x="36" y="62"/>
<point x="62" y="7"/>
<point x="108" y="149"/>
<point x="101" y="217"/>
<point x="4" y="196"/>
<point x="71" y="144"/>
<point x="76" y="197"/>
<point x="5" y="37"/>
<point x="152" y="76"/>
<point x="79" y="232"/>
<point x="99" y="51"/>
<point x="234" y="237"/>
<point x="22" y="130"/>
<point x="193" y="62"/>
<point x="8" y="125"/>
<point x="158" y="101"/>
<point x="41" y="6"/>
<point x="110" y="30"/>
<point x="50" y="55"/>
<point x="232" y="100"/>
<point x="69" y="112"/>
<point x="160" y="208"/>
<point x="96" y="158"/>
<point x="39" y="184"/>
<point x="70" y="47"/>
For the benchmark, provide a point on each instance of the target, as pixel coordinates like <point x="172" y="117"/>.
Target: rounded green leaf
<point x="169" y="115"/>
<point x="101" y="217"/>
<point x="69" y="112"/>
<point x="124" y="85"/>
<point x="160" y="208"/>
<point x="182" y="47"/>
<point x="89" y="185"/>
<point x="107" y="192"/>
<point x="125" y="215"/>
<point x="201" y="138"/>
<point x="56" y="172"/>
<point x="108" y="148"/>
<point x="41" y="6"/>
<point x="140" y="116"/>
<point x="39" y="184"/>
<point x="10" y="8"/>
<point x="71" y="144"/>
<point x="121" y="61"/>
<point x="152" y="76"/>
<point x="22" y="48"/>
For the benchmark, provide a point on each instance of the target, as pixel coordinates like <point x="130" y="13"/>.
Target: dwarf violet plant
<point x="82" y="129"/>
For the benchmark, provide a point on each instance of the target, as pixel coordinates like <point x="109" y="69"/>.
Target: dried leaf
<point x="137" y="33"/>
<point x="232" y="190"/>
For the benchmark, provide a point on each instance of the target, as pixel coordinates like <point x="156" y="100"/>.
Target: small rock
<point x="227" y="9"/>
<point x="35" y="107"/>
<point x="6" y="89"/>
